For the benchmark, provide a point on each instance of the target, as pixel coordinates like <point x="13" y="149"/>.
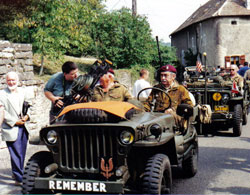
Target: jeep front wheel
<point x="237" y="120"/>
<point x="244" y="117"/>
<point x="35" y="168"/>
<point x="157" y="178"/>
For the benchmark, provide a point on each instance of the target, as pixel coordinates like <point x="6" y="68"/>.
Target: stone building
<point x="19" y="57"/>
<point x="220" y="28"/>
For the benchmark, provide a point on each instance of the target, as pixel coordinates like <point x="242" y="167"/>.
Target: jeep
<point x="229" y="107"/>
<point x="112" y="147"/>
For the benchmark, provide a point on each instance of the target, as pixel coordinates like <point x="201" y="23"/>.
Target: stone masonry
<point x="19" y="57"/>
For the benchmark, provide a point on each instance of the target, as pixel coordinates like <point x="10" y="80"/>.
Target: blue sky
<point x="164" y="16"/>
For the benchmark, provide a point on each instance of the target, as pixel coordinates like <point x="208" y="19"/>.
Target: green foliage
<point x="83" y="28"/>
<point x="168" y="55"/>
<point x="122" y="38"/>
<point x="190" y="57"/>
<point x="54" y="27"/>
<point x="61" y="27"/>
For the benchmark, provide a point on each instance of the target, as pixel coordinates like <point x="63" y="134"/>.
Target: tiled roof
<point x="215" y="8"/>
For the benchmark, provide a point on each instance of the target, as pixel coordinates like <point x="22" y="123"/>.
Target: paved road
<point x="224" y="167"/>
<point x="6" y="182"/>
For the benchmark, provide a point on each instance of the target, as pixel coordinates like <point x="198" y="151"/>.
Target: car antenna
<point x="205" y="61"/>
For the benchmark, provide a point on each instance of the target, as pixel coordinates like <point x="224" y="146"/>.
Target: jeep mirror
<point x="185" y="110"/>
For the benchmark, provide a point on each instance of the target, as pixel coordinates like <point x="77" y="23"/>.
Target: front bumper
<point x="79" y="185"/>
<point x="222" y="117"/>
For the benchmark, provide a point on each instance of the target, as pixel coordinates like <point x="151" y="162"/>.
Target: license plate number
<point x="77" y="186"/>
<point x="223" y="108"/>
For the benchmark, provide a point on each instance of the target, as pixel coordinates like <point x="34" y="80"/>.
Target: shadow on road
<point x="218" y="133"/>
<point x="216" y="166"/>
<point x="232" y="190"/>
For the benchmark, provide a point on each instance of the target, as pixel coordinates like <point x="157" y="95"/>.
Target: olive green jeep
<point x="229" y="108"/>
<point x="112" y="147"/>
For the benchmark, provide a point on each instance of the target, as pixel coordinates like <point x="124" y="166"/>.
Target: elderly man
<point x="60" y="85"/>
<point x="110" y="90"/>
<point x="236" y="77"/>
<point x="14" y="131"/>
<point x="179" y="94"/>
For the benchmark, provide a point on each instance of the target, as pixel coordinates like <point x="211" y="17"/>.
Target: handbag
<point x="25" y="108"/>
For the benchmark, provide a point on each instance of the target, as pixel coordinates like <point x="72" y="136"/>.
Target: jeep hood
<point x="113" y="107"/>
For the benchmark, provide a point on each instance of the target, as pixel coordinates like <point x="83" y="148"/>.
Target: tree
<point x="121" y="38"/>
<point x="54" y="27"/>
<point x="168" y="55"/>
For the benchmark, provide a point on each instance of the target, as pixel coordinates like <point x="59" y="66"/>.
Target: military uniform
<point x="239" y="80"/>
<point x="178" y="94"/>
<point x="117" y="92"/>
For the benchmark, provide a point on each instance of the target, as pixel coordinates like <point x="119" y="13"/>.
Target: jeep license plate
<point x="221" y="108"/>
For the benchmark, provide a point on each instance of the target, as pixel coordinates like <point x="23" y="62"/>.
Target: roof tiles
<point x="216" y="8"/>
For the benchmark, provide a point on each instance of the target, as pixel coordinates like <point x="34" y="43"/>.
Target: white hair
<point x="12" y="73"/>
<point x="109" y="73"/>
<point x="235" y="67"/>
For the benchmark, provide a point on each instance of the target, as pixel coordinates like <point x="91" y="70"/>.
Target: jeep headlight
<point x="225" y="97"/>
<point x="217" y="97"/>
<point x="52" y="137"/>
<point x="126" y="137"/>
<point x="156" y="130"/>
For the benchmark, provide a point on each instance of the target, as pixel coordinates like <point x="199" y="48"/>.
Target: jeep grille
<point x="210" y="100"/>
<point x="80" y="148"/>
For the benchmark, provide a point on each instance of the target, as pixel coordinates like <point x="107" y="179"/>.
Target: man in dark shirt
<point x="60" y="85"/>
<point x="242" y="70"/>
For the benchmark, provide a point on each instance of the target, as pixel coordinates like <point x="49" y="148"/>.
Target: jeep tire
<point x="237" y="120"/>
<point x="89" y="115"/>
<point x="190" y="165"/>
<point x="157" y="178"/>
<point x="244" y="117"/>
<point x="35" y="168"/>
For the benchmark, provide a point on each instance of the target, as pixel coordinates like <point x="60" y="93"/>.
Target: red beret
<point x="111" y="71"/>
<point x="168" y="68"/>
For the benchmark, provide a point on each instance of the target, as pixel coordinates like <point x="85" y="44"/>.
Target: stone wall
<point x="124" y="77"/>
<point x="18" y="57"/>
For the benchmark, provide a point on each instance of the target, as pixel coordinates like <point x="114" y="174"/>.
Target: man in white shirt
<point x="141" y="83"/>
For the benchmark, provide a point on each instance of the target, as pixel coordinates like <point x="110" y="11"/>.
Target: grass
<point x="52" y="67"/>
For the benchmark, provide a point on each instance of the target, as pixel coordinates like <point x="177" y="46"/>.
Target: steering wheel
<point x="156" y="89"/>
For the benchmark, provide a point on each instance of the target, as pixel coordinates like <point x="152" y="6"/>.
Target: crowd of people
<point x="12" y="98"/>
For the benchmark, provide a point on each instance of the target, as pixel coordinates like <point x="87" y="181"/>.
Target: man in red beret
<point x="179" y="94"/>
<point x="110" y="90"/>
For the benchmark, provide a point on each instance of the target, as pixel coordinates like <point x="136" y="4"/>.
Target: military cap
<point x="111" y="71"/>
<point x="168" y="68"/>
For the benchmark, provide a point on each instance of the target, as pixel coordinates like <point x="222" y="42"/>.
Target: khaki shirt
<point x="117" y="92"/>
<point x="178" y="94"/>
<point x="239" y="80"/>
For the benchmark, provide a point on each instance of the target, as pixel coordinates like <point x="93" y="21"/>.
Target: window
<point x="234" y="22"/>
<point x="234" y="59"/>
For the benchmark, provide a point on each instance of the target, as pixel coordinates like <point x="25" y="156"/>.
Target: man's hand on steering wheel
<point x="154" y="89"/>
